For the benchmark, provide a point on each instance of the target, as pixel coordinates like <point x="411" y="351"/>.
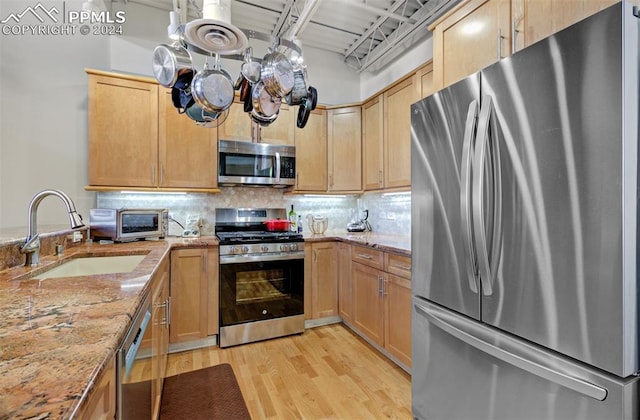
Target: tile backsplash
<point x="388" y="213"/>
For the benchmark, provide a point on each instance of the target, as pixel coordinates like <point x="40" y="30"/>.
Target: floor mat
<point x="211" y="393"/>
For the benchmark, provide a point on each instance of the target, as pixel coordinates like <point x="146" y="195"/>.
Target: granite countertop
<point x="398" y="244"/>
<point x="59" y="334"/>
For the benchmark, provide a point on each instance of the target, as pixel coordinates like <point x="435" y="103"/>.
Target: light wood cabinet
<point x="382" y="300"/>
<point x="397" y="132"/>
<point x="159" y="327"/>
<point x="188" y="153"/>
<point x="324" y="278"/>
<point x="425" y="78"/>
<point x="345" y="293"/>
<point x="344" y="137"/>
<point x="123" y="131"/>
<point x="138" y="140"/>
<point x="102" y="403"/>
<point x="239" y="126"/>
<point x="372" y="143"/>
<point x="475" y="35"/>
<point x="194" y="294"/>
<point x="533" y="20"/>
<point x="311" y="153"/>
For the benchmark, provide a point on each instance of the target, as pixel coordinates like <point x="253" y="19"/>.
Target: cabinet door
<point x="188" y="155"/>
<point x="397" y="133"/>
<point x="368" y="305"/>
<point x="345" y="294"/>
<point x="102" y="403"/>
<point x="213" y="300"/>
<point x="425" y="77"/>
<point x="123" y="132"/>
<point x="238" y="125"/>
<point x="160" y="334"/>
<point x="344" y="133"/>
<point x="281" y="131"/>
<point x="311" y="153"/>
<point x="372" y="143"/>
<point x="397" y="327"/>
<point x="189" y="291"/>
<point x="324" y="280"/>
<point x="476" y="35"/>
<point x="537" y="19"/>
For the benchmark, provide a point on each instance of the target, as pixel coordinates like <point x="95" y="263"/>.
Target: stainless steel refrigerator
<point x="525" y="232"/>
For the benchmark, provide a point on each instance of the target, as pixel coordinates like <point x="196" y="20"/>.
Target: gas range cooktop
<point x="256" y="236"/>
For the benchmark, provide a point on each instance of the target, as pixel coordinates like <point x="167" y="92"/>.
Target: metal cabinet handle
<point x="380" y="177"/>
<point x="161" y="175"/>
<point x="401" y="266"/>
<point x="514" y="32"/>
<point x="365" y="256"/>
<point x="510" y="350"/>
<point x="385" y="283"/>
<point x="379" y="280"/>
<point x="500" y="38"/>
<point x="153" y="174"/>
<point x="168" y="312"/>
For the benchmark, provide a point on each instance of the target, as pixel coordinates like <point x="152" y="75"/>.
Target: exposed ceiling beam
<point x="284" y="18"/>
<point x="371" y="31"/>
<point x="310" y="7"/>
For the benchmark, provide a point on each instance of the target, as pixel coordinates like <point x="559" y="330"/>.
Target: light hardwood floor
<point x="326" y="373"/>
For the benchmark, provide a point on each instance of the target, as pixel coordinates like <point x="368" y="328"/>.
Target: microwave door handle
<point x="277" y="167"/>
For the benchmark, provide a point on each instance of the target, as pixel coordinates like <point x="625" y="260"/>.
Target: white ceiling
<point x="367" y="33"/>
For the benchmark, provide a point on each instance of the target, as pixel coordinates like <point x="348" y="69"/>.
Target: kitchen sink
<point x="89" y="266"/>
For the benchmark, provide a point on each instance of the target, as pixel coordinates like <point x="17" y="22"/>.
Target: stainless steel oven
<point x="261" y="277"/>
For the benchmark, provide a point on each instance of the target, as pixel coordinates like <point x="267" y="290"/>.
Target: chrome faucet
<point x="32" y="245"/>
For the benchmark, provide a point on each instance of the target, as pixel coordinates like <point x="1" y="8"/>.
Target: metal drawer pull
<point x="365" y="256"/>
<point x="401" y="266"/>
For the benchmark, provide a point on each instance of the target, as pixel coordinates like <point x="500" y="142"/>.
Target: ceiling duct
<point x="214" y="32"/>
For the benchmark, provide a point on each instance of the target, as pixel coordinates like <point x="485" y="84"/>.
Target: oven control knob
<point x="293" y="247"/>
<point x="233" y="250"/>
<point x="264" y="248"/>
<point x="283" y="247"/>
<point x="245" y="249"/>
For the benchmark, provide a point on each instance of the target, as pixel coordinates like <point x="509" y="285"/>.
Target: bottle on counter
<point x="299" y="223"/>
<point x="293" y="226"/>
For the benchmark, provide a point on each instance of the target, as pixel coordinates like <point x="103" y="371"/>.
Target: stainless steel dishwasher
<point x="134" y="377"/>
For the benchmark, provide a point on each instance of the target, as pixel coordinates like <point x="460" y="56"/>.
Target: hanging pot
<point x="170" y="62"/>
<point x="261" y="119"/>
<point x="250" y="69"/>
<point x="212" y="89"/>
<point x="299" y="91"/>
<point x="181" y="92"/>
<point x="313" y="95"/>
<point x="263" y="103"/>
<point x="277" y="74"/>
<point x="303" y="113"/>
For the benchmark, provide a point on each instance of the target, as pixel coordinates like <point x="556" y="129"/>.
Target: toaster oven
<point x="124" y="225"/>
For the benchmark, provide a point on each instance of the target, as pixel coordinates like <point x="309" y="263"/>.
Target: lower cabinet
<point x="323" y="272"/>
<point x="102" y="404"/>
<point x="194" y="294"/>
<point x="381" y="300"/>
<point x="160" y="320"/>
<point x="345" y="293"/>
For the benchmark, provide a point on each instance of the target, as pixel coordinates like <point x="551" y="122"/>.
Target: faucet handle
<point x="31" y="245"/>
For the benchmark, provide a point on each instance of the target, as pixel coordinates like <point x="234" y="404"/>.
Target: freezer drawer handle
<point x="456" y="328"/>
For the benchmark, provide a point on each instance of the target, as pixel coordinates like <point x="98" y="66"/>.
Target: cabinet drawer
<point x="368" y="256"/>
<point x="400" y="265"/>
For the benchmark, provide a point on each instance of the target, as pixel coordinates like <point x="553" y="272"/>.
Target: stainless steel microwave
<point x="123" y="225"/>
<point x="256" y="164"/>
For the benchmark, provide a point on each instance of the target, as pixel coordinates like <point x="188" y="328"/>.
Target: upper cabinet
<point x="344" y="138"/>
<point x="397" y="133"/>
<point x="533" y="20"/>
<point x="239" y="126"/>
<point x="138" y="140"/>
<point x="123" y="131"/>
<point x="474" y="36"/>
<point x="372" y="143"/>
<point x="478" y="33"/>
<point x="311" y="153"/>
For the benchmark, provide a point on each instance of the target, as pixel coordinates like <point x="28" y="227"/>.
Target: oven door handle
<point x="238" y="259"/>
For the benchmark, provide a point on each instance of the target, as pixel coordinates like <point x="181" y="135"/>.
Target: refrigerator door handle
<point x="486" y="153"/>
<point x="509" y="350"/>
<point x="465" y="194"/>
